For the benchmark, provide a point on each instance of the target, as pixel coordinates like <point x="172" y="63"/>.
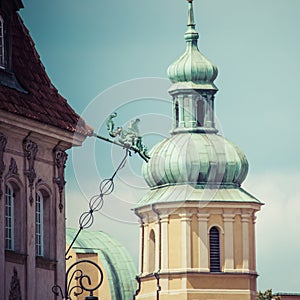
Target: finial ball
<point x="190" y="1"/>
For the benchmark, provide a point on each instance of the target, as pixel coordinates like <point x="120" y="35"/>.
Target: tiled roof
<point x="41" y="101"/>
<point x="119" y="266"/>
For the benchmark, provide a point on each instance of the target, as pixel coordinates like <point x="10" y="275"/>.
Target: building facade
<point x="197" y="225"/>
<point x="37" y="126"/>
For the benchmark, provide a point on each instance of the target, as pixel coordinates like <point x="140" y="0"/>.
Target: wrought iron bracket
<point x="76" y="281"/>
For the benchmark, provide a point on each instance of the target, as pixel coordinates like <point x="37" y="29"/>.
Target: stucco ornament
<point x="15" y="289"/>
<point x="30" y="150"/>
<point x="13" y="168"/>
<point x="3" y="142"/>
<point x="60" y="158"/>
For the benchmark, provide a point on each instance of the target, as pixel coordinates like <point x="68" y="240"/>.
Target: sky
<point x="107" y="56"/>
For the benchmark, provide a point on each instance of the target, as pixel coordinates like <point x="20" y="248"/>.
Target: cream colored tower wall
<point x="238" y="243"/>
<point x="175" y="242"/>
<point x="179" y="237"/>
<point x="195" y="241"/>
<point x="252" y="262"/>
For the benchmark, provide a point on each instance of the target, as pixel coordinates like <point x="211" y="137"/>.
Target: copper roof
<point x="41" y="100"/>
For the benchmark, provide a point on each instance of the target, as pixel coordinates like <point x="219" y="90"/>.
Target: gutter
<point x="156" y="274"/>
<point x="137" y="278"/>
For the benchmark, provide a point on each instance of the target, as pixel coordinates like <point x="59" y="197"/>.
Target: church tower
<point x="197" y="225"/>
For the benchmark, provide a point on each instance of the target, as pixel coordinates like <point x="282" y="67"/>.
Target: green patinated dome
<point x="119" y="267"/>
<point x="195" y="163"/>
<point x="196" y="159"/>
<point x="192" y="69"/>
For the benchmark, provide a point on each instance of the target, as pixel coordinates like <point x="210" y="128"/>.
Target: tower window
<point x="2" y="44"/>
<point x="39" y="224"/>
<point x="200" y="112"/>
<point x="214" y="250"/>
<point x="152" y="251"/>
<point x="176" y="114"/>
<point x="9" y="217"/>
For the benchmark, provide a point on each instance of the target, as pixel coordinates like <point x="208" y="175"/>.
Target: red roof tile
<point x="42" y="102"/>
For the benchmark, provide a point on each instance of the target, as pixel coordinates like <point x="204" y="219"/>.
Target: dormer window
<point x="2" y="44"/>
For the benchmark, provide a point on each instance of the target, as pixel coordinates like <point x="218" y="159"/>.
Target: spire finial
<point x="191" y="34"/>
<point x="192" y="69"/>
<point x="191" y="21"/>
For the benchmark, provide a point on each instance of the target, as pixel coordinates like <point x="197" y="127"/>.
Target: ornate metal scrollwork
<point x="30" y="150"/>
<point x="77" y="281"/>
<point x="60" y="158"/>
<point x="130" y="140"/>
<point x="106" y="187"/>
<point x="84" y="281"/>
<point x="3" y="142"/>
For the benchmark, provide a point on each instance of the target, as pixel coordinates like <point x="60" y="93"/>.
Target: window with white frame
<point x="9" y="217"/>
<point x="39" y="224"/>
<point x="2" y="44"/>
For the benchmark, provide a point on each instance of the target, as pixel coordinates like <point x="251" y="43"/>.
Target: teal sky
<point x="91" y="47"/>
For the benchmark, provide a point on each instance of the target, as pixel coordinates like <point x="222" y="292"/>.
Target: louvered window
<point x="214" y="250"/>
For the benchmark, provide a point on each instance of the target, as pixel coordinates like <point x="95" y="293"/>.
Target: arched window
<point x="152" y="251"/>
<point x="39" y="224"/>
<point x="9" y="218"/>
<point x="214" y="250"/>
<point x="2" y="43"/>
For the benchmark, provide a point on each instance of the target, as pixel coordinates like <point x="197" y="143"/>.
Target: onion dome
<point x="195" y="155"/>
<point x="192" y="69"/>
<point x="195" y="159"/>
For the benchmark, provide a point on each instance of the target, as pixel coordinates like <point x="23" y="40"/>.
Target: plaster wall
<point x="35" y="274"/>
<point x="175" y="242"/>
<point x="104" y="291"/>
<point x="184" y="277"/>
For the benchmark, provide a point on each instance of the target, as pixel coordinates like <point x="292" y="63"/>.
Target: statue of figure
<point x="130" y="138"/>
<point x="111" y="126"/>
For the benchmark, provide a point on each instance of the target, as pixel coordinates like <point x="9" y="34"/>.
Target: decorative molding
<point x="60" y="158"/>
<point x="15" y="257"/>
<point x="44" y="263"/>
<point x="3" y="142"/>
<point x="13" y="169"/>
<point x="15" y="288"/>
<point x="30" y="150"/>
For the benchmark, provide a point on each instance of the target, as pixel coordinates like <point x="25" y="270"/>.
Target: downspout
<point x="158" y="288"/>
<point x="137" y="278"/>
<point x="156" y="274"/>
